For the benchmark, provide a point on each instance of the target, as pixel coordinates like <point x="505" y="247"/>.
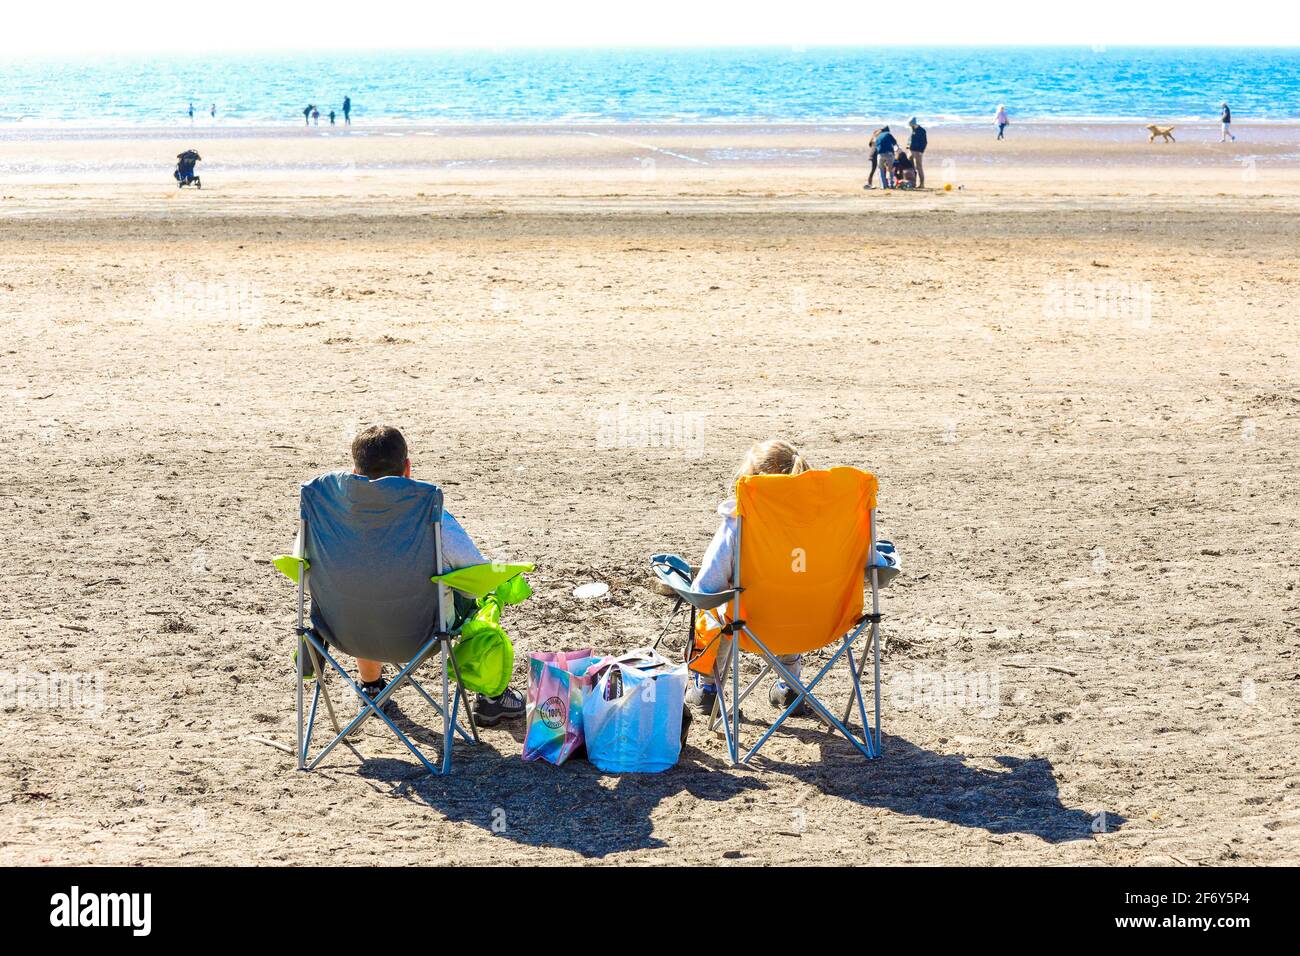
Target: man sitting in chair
<point x="378" y="454"/>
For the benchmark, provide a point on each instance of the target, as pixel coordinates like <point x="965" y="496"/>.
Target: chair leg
<point x="322" y="691"/>
<point x="749" y="688"/>
<point x="448" y="732"/>
<point x="302" y="756"/>
<point x="464" y="699"/>
<point x="373" y="707"/>
<point x="311" y="718"/>
<point x="875" y="645"/>
<point x="735" y="696"/>
<point x="428" y="699"/>
<point x="855" y="693"/>
<point x="805" y="693"/>
<point x="721" y="715"/>
<point x="452" y="699"/>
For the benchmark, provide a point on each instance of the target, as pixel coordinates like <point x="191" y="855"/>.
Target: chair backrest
<point x="371" y="548"/>
<point x="805" y="541"/>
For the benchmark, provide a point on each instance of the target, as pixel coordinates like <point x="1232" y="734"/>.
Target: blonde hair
<point x="773" y="457"/>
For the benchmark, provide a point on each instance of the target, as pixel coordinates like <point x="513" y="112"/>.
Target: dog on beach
<point x="1166" y="131"/>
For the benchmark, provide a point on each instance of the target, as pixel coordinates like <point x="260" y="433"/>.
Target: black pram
<point x="185" y="169"/>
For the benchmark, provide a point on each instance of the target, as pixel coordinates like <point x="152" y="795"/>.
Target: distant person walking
<point x="885" y="146"/>
<point x="1002" y="120"/>
<point x="306" y="115"/>
<point x="347" y="110"/>
<point x="874" y="157"/>
<point x="1225" y="118"/>
<point x="331" y="117"/>
<point x="213" y="111"/>
<point x="191" y="112"/>
<point x="916" y="144"/>
<point x="315" y="116"/>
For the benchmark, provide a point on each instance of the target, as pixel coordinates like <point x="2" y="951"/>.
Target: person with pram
<point x="185" y="169"/>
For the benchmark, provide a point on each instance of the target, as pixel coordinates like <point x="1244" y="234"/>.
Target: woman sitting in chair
<point x="772" y="457"/>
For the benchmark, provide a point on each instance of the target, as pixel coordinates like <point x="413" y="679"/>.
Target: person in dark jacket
<point x="1225" y="117"/>
<point x="885" y="147"/>
<point x="916" y="144"/>
<point x="871" y="155"/>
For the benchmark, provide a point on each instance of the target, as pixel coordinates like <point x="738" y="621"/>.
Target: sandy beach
<point x="1075" y="374"/>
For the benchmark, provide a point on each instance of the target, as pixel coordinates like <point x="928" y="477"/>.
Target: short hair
<point x="379" y="452"/>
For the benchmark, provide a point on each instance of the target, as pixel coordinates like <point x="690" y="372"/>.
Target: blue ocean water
<point x="730" y="85"/>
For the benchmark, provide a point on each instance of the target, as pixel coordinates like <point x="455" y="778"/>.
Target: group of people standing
<point x="311" y="113"/>
<point x="904" y="166"/>
<point x="900" y="167"/>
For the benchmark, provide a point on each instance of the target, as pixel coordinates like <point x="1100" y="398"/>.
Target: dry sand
<point x="1075" y="377"/>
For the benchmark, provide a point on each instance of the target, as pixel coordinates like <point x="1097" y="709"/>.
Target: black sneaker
<point x="781" y="697"/>
<point x="372" y="691"/>
<point x="490" y="711"/>
<point x="701" y="697"/>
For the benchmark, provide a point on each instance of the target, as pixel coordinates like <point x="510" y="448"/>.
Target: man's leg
<point x="371" y="682"/>
<point x="919" y="159"/>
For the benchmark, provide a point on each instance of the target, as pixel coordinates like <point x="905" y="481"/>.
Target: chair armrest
<point x="480" y="580"/>
<point x="291" y="566"/>
<point x="675" y="574"/>
<point x="705" y="600"/>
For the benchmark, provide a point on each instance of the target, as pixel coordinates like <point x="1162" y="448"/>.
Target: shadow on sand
<point x="574" y="807"/>
<point x="579" y="808"/>
<point x="1019" y="795"/>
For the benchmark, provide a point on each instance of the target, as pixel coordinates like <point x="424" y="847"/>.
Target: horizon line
<point x="1096" y="46"/>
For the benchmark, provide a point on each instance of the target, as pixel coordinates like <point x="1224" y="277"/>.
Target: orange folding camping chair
<point x="804" y="546"/>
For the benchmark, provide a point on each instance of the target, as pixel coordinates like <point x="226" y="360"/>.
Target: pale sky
<point x="75" y="26"/>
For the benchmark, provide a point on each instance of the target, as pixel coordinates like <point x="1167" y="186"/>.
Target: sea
<point x="773" y="85"/>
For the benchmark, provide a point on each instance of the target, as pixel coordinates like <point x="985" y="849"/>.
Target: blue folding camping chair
<point x="370" y="554"/>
